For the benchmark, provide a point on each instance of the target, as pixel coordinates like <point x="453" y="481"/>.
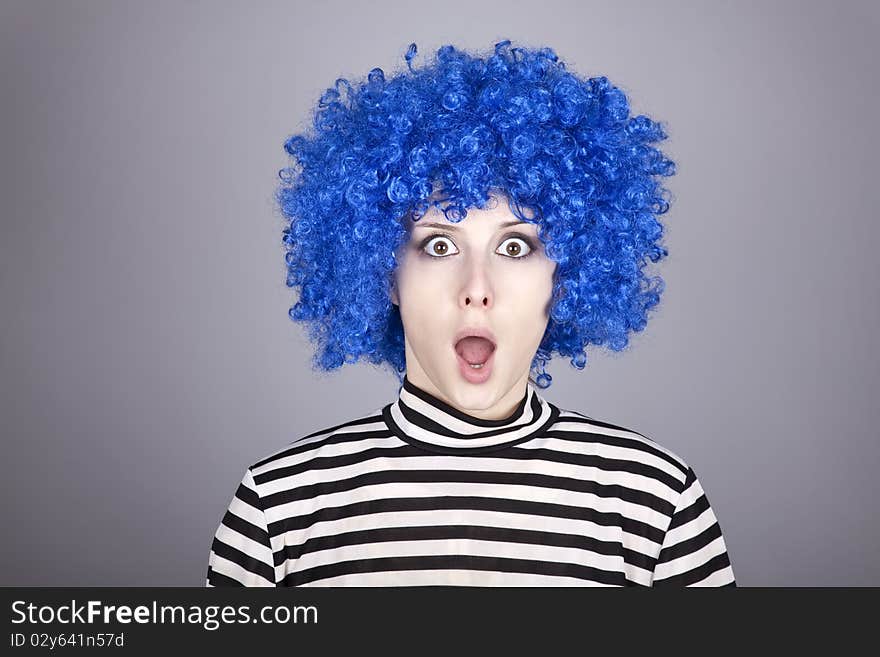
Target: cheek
<point x="533" y="301"/>
<point x="535" y="293"/>
<point x="535" y="278"/>
<point x="417" y="278"/>
<point x="417" y="295"/>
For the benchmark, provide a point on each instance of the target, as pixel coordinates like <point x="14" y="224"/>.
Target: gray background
<point x="147" y="357"/>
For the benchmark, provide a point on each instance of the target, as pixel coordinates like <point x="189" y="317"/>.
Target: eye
<point x="437" y="246"/>
<point x="432" y="250"/>
<point x="513" y="249"/>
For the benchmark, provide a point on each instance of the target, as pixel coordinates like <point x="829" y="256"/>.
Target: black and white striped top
<point x="418" y="493"/>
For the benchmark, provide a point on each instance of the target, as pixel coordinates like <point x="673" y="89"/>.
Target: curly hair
<point x="563" y="150"/>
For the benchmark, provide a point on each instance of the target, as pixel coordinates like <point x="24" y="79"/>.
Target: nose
<point x="477" y="289"/>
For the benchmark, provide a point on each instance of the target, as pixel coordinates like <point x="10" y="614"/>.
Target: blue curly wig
<point x="564" y="151"/>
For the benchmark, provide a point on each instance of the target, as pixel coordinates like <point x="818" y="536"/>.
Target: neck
<point x="420" y="417"/>
<point x="501" y="409"/>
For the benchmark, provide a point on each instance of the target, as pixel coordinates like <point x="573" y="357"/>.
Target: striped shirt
<point x="419" y="493"/>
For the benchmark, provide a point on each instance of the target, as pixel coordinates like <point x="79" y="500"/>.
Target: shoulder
<point x="616" y="446"/>
<point x="330" y="441"/>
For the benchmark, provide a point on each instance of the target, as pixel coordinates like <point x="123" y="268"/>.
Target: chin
<point x="477" y="396"/>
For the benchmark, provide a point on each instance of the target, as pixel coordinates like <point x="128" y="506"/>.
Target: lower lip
<point x="471" y="375"/>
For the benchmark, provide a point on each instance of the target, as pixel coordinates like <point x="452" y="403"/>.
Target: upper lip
<point x="478" y="331"/>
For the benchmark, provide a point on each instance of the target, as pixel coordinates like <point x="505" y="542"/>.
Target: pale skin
<point x="476" y="272"/>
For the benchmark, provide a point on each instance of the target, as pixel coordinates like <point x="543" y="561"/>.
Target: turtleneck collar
<point x="419" y="417"/>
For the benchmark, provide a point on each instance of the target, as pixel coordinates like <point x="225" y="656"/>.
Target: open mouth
<point x="475" y="350"/>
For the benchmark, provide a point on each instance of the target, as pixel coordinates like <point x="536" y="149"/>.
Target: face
<point x="487" y="271"/>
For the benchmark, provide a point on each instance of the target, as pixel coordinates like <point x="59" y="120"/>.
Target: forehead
<point x="495" y="216"/>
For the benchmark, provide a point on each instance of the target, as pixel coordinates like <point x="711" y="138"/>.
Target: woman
<point x="461" y="223"/>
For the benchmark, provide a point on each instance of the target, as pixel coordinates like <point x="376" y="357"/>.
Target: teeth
<point x="476" y="367"/>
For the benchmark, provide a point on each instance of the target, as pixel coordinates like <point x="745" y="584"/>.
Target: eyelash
<point x="518" y="236"/>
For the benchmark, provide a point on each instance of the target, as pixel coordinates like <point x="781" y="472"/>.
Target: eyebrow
<point x="453" y="227"/>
